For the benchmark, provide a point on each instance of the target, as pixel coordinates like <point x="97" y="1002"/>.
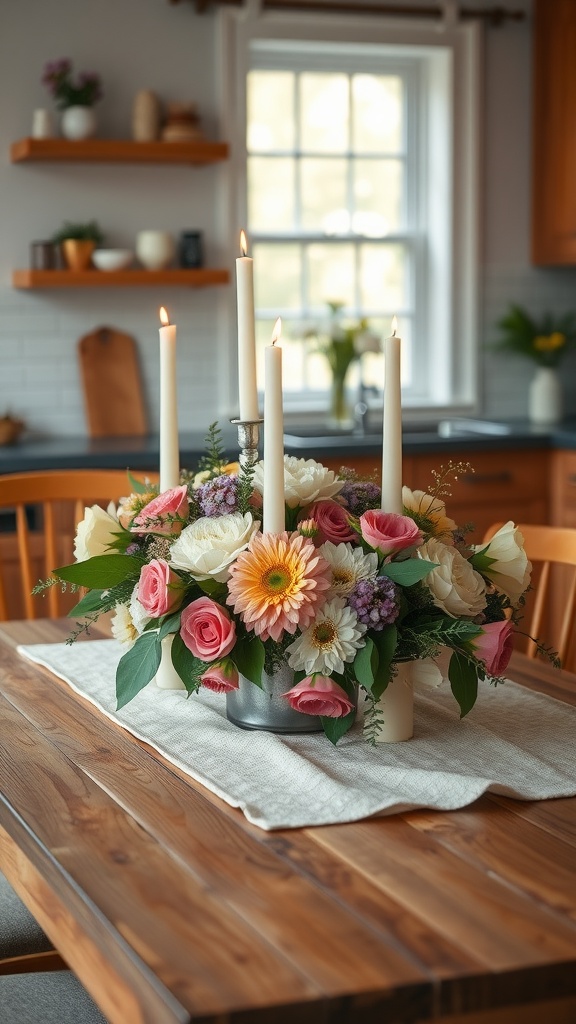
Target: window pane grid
<point x="328" y="240"/>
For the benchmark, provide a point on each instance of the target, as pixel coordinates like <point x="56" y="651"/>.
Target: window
<point x="358" y="188"/>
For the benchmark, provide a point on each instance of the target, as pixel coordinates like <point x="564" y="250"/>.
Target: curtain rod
<point x="494" y="15"/>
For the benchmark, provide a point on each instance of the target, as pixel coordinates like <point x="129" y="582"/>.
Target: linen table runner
<point x="514" y="742"/>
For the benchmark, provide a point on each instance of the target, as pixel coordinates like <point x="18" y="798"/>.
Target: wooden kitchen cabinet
<point x="563" y="489"/>
<point x="554" y="133"/>
<point x="500" y="485"/>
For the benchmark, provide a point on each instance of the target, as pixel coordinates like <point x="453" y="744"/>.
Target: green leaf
<point x="138" y="486"/>
<point x="386" y="642"/>
<point x="90" y="603"/>
<point x="171" y="624"/>
<point x="137" y="667"/>
<point x="248" y="656"/>
<point x="408" y="572"/>
<point x="335" y="728"/>
<point x="101" y="571"/>
<point x="481" y="561"/>
<point x="464" y="682"/>
<point x="366" y="664"/>
<point x="188" y="667"/>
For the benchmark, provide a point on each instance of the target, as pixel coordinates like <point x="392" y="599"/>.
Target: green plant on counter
<point x="90" y="231"/>
<point x="545" y="340"/>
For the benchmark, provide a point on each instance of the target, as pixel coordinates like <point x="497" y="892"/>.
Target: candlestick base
<point x="248" y="438"/>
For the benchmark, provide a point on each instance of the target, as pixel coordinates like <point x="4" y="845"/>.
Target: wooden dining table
<point x="171" y="907"/>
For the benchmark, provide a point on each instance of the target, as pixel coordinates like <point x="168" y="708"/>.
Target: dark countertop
<point x="140" y="453"/>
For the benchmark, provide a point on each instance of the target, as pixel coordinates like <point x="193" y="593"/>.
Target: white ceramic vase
<point x="166" y="677"/>
<point x="545" y="396"/>
<point x="155" y="249"/>
<point x="78" y="123"/>
<point x="396" y="706"/>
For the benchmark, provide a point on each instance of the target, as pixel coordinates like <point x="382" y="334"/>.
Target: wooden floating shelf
<point x="200" y="278"/>
<point x="202" y="151"/>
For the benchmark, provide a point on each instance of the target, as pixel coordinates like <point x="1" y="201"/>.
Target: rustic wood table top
<point x="170" y="906"/>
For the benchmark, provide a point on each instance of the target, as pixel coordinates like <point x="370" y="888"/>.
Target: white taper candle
<point x="392" y="426"/>
<point x="274" y="520"/>
<point x="169" y="453"/>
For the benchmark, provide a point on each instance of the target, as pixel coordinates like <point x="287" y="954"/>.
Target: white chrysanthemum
<point x="348" y="565"/>
<point x="305" y="481"/>
<point x="96" y="532"/>
<point x="333" y="638"/>
<point x="123" y="629"/>
<point x="138" y="613"/>
<point x="207" y="548"/>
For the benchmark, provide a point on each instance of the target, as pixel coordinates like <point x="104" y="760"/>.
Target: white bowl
<point x="112" y="259"/>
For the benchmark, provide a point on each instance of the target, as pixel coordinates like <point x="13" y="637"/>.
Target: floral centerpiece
<point x="342" y="596"/>
<point x="85" y="91"/>
<point x="342" y="343"/>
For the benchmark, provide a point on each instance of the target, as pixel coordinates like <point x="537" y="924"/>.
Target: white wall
<point x="152" y="44"/>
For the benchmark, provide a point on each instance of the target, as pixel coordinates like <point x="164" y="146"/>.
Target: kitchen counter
<point x="142" y="453"/>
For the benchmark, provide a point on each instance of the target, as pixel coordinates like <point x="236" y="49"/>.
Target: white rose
<point x="510" y="571"/>
<point x="207" y="548"/>
<point x="95" y="533"/>
<point x="455" y="585"/>
<point x="305" y="481"/>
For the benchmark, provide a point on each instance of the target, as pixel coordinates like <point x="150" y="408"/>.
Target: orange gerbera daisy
<point x="278" y="584"/>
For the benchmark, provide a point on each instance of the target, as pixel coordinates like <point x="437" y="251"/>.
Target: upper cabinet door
<point x="554" y="133"/>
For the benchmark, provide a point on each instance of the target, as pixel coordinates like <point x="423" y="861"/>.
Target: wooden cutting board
<point x="112" y="383"/>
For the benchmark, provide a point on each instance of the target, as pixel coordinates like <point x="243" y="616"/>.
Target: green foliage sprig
<point x="545" y="340"/>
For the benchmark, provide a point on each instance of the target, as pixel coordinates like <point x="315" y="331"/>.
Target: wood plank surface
<point x="200" y="151"/>
<point x="201" y="277"/>
<point x="170" y="906"/>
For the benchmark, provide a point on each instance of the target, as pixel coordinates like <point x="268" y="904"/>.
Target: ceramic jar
<point x="155" y="249"/>
<point x="145" y="116"/>
<point x="78" y="123"/>
<point x="545" y="396"/>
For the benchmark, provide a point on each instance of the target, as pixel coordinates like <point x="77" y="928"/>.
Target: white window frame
<point x="453" y="69"/>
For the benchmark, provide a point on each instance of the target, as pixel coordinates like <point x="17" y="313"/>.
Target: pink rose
<point x="207" y="629"/>
<point x="494" y="646"/>
<point x="160" y="589"/>
<point x="165" y="514"/>
<point x="221" y="678"/>
<point x="389" y="532"/>
<point x="332" y="522"/>
<point x="319" y="695"/>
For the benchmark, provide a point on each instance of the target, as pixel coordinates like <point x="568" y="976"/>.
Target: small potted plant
<point x="545" y="340"/>
<point x="77" y="243"/>
<point x="74" y="98"/>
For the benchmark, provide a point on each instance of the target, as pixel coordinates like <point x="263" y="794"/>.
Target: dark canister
<point x="44" y="256"/>
<point x="190" y="249"/>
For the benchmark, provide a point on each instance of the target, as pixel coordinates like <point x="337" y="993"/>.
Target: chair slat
<point x="74" y="489"/>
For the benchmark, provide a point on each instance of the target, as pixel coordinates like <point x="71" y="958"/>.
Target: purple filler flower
<point x="360" y="495"/>
<point x="219" y="496"/>
<point x="375" y="602"/>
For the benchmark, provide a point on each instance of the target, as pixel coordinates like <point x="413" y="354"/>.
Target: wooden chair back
<point x="46" y="506"/>
<point x="553" y="600"/>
